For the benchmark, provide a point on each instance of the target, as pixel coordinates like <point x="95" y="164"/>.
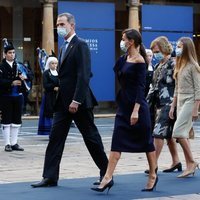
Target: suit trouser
<point x="84" y="120"/>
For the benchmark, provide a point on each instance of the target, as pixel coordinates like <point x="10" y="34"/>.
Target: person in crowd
<point x="132" y="130"/>
<point x="75" y="101"/>
<point x="149" y="70"/>
<point x="161" y="95"/>
<point x="30" y="76"/>
<point x="186" y="99"/>
<point x="149" y="78"/>
<point x="11" y="84"/>
<point x="51" y="86"/>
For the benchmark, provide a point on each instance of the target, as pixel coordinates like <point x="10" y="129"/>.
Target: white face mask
<point x="159" y="56"/>
<point x="179" y="51"/>
<point x="123" y="46"/>
<point x="63" y="32"/>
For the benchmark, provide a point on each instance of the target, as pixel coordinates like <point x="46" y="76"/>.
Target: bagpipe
<point x="21" y="68"/>
<point x="42" y="58"/>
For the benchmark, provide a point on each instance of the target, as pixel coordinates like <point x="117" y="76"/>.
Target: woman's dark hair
<point x="133" y="34"/>
<point x="26" y="62"/>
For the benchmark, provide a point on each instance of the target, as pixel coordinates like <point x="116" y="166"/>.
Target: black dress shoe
<point x="16" y="147"/>
<point x="98" y="181"/>
<point x="177" y="166"/>
<point x="46" y="182"/>
<point x="8" y="148"/>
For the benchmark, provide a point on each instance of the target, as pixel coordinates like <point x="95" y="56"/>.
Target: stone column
<point x="134" y="14"/>
<point x="48" y="26"/>
<point x="18" y="31"/>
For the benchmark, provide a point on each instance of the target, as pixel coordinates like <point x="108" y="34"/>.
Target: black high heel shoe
<point x="177" y="166"/>
<point x="151" y="189"/>
<point x="108" y="185"/>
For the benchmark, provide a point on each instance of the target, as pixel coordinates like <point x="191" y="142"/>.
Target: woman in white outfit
<point x="186" y="98"/>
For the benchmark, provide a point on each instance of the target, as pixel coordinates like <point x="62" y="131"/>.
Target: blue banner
<point x="167" y="18"/>
<point x="95" y="23"/>
<point x="148" y="37"/>
<point x="170" y="21"/>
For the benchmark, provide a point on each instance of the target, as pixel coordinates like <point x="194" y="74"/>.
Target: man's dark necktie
<point x="64" y="48"/>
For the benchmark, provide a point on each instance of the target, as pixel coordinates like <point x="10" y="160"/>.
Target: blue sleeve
<point x="141" y="80"/>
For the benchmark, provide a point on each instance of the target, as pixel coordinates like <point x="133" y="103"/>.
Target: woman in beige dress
<point x="186" y="98"/>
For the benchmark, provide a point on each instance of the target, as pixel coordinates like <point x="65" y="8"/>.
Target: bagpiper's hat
<point x="7" y="45"/>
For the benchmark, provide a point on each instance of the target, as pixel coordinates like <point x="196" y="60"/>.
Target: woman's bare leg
<point x="173" y="151"/>
<point x="187" y="153"/>
<point x="152" y="161"/>
<point x="158" y="143"/>
<point x="112" y="163"/>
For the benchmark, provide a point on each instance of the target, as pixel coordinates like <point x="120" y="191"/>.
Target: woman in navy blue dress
<point x="132" y="130"/>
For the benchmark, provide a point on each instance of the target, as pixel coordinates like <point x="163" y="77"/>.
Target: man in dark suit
<point x="75" y="101"/>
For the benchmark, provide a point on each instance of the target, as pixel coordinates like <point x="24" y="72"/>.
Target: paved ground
<point x="19" y="169"/>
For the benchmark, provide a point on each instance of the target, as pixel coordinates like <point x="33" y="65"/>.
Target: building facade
<point x="31" y="24"/>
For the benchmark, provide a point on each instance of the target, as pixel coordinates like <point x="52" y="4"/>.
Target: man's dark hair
<point x="8" y="47"/>
<point x="69" y="16"/>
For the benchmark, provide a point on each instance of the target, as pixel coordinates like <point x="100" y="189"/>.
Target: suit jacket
<point x="74" y="73"/>
<point x="163" y="84"/>
<point x="7" y="75"/>
<point x="188" y="81"/>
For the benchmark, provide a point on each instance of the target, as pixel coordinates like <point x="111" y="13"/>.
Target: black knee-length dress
<point x="126" y="137"/>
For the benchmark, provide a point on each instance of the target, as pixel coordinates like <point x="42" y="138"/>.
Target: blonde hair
<point x="188" y="56"/>
<point x="163" y="44"/>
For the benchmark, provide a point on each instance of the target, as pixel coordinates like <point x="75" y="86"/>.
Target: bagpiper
<point x="12" y="81"/>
